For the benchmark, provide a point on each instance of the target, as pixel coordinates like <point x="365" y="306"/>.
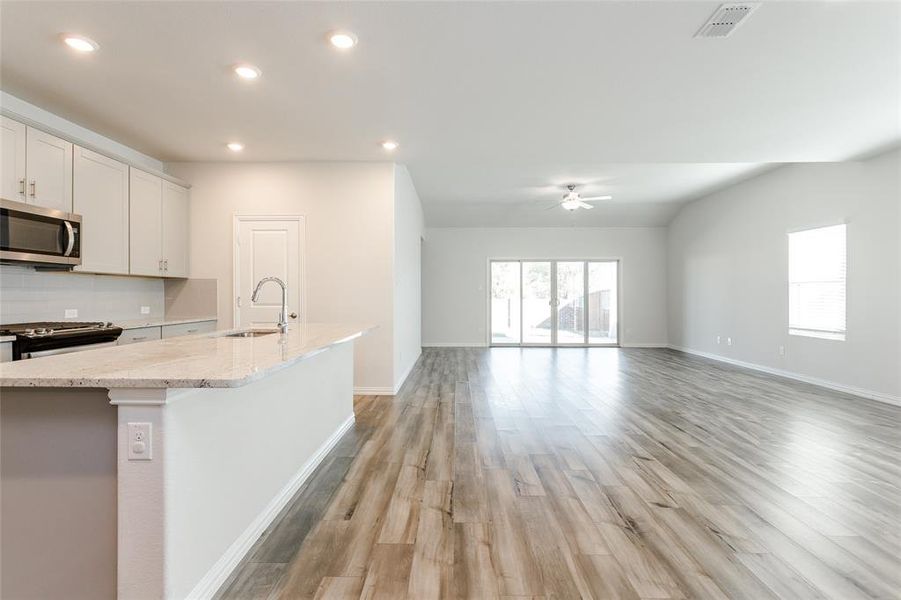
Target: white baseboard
<point x="373" y="391"/>
<point x="832" y="385"/>
<point x="644" y="345"/>
<point x="218" y="574"/>
<point x="455" y="345"/>
<point x="400" y="383"/>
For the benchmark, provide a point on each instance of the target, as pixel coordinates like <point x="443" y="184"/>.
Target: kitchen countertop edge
<point x="138" y="382"/>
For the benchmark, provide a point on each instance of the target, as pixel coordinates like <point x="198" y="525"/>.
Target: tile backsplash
<point x="30" y="295"/>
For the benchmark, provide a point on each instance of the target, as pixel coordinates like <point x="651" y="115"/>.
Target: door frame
<point x="236" y="257"/>
<point x="554" y="316"/>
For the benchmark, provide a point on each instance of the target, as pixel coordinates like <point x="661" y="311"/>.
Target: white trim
<point x="373" y="391"/>
<point x="644" y="345"/>
<point x="218" y="574"/>
<point x="301" y="264"/>
<point x="838" y="387"/>
<point x="146" y="396"/>
<point x="455" y="345"/>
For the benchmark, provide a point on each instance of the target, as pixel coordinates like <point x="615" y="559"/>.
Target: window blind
<point x="817" y="268"/>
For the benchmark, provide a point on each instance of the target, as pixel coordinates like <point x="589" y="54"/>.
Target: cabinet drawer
<point x="144" y="334"/>
<point x="170" y="331"/>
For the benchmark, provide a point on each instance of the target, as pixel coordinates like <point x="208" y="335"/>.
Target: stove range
<point x="59" y="337"/>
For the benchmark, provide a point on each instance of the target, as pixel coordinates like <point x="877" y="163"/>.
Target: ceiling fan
<point x="572" y="200"/>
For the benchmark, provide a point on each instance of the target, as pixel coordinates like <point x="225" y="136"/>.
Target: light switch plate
<point x="145" y="310"/>
<point x="71" y="313"/>
<point x="140" y="441"/>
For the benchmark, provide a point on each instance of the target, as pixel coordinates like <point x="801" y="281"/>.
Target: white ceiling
<point x="493" y="103"/>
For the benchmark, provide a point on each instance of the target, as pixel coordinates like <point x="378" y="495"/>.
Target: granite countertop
<point x="7" y="338"/>
<point x="210" y="360"/>
<point x="160" y="321"/>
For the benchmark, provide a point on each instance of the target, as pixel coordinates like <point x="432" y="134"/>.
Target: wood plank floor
<point x="594" y="473"/>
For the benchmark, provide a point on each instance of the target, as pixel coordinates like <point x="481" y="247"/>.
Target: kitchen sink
<point x="252" y="333"/>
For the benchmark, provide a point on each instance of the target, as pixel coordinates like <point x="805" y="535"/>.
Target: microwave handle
<point x="70" y="233"/>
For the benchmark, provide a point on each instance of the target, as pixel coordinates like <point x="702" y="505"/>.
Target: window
<point x="817" y="261"/>
<point x="537" y="302"/>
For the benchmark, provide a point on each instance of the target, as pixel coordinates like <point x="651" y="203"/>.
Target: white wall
<point x="349" y="229"/>
<point x="408" y="230"/>
<point x="728" y="270"/>
<point x="455" y="276"/>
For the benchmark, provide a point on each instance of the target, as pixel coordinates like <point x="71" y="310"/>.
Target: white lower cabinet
<point x="170" y="331"/>
<point x="146" y="334"/>
<point x="143" y="334"/>
<point x="6" y="351"/>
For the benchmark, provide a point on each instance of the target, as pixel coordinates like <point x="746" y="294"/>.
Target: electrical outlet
<point x="140" y="441"/>
<point x="728" y="341"/>
<point x="781" y="350"/>
<point x="717" y="340"/>
<point x="145" y="310"/>
<point x="71" y="313"/>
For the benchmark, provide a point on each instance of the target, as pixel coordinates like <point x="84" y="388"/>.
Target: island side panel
<point x="57" y="493"/>
<point x="234" y="457"/>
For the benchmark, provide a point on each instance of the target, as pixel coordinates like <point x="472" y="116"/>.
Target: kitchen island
<point x="147" y="471"/>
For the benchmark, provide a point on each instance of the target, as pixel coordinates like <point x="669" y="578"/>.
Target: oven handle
<point x="70" y="233"/>
<point x="56" y="351"/>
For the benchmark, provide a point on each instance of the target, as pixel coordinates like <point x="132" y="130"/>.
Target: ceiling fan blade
<point x="584" y="205"/>
<point x="553" y="206"/>
<point x="593" y="198"/>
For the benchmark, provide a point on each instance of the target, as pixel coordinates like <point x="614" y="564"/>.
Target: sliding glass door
<point x="554" y="302"/>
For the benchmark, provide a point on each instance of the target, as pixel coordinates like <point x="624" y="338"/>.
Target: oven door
<point x="68" y="350"/>
<point x="41" y="236"/>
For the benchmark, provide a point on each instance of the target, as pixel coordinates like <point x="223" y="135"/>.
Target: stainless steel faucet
<point x="283" y="313"/>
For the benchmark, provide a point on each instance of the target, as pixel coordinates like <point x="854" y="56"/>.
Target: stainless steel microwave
<point x="39" y="236"/>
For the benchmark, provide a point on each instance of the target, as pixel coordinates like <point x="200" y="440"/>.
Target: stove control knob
<point x="49" y="332"/>
<point x="109" y="324"/>
<point x="41" y="331"/>
<point x="29" y="332"/>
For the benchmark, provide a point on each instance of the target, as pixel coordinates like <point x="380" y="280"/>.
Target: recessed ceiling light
<point x="389" y="145"/>
<point x="235" y="146"/>
<point x="247" y="72"/>
<point x="342" y="40"/>
<point x="79" y="43"/>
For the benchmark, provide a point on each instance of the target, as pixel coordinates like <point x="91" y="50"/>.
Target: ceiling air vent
<point x="725" y="19"/>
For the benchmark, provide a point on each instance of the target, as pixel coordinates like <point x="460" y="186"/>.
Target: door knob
<point x="293" y="315"/>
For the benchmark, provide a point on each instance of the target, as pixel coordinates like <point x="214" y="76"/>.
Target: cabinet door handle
<point x="138" y="338"/>
<point x="22" y="186"/>
<point x="34" y="188"/>
<point x="166" y="263"/>
<point x="160" y="266"/>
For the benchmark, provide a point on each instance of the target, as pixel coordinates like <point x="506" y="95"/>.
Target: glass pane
<point x="536" y="302"/>
<point x="602" y="294"/>
<point x="505" y="302"/>
<point x="570" y="303"/>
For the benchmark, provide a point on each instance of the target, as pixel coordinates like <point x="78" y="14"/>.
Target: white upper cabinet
<point x="175" y="230"/>
<point x="146" y="229"/>
<point x="100" y="196"/>
<point x="48" y="166"/>
<point x="12" y="160"/>
<point x="159" y="226"/>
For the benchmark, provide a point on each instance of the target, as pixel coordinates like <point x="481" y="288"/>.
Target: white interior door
<point x="268" y="247"/>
